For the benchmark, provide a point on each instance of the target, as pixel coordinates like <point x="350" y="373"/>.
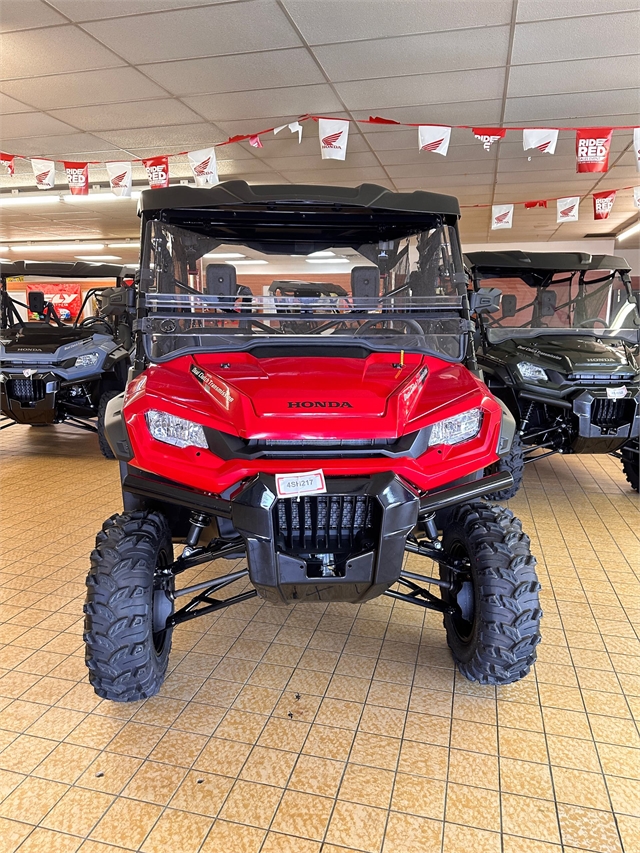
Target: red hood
<point x="383" y="396"/>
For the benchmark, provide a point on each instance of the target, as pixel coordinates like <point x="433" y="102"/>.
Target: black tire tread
<point x="105" y="447"/>
<point x="509" y="626"/>
<point x="513" y="463"/>
<point x="630" y="469"/>
<point x="120" y="655"/>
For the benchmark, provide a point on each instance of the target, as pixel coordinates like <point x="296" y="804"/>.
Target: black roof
<point x="63" y="269"/>
<point x="232" y="193"/>
<point x="543" y="261"/>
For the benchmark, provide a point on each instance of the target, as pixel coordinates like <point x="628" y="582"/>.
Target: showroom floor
<point x="314" y="728"/>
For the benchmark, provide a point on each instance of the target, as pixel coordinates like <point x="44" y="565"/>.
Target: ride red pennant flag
<point x="7" y="161"/>
<point x="120" y="178"/>
<point x="568" y="209"/>
<point x="334" y="135"/>
<point x="602" y="204"/>
<point x="501" y="216"/>
<point x="433" y="138"/>
<point x="204" y="166"/>
<point x="78" y="177"/>
<point x="592" y="149"/>
<point x="157" y="171"/>
<point x="45" y="173"/>
<point x="544" y="139"/>
<point x="636" y="146"/>
<point x="255" y="142"/>
<point x="528" y="205"/>
<point x="489" y="135"/>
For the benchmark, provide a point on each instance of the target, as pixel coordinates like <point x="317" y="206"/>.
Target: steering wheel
<point x="593" y="321"/>
<point x="371" y="324"/>
<point x="92" y="321"/>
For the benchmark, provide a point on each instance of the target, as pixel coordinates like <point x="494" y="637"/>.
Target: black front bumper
<point x="29" y="400"/>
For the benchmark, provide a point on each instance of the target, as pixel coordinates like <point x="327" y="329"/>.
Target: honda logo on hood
<point x="324" y="404"/>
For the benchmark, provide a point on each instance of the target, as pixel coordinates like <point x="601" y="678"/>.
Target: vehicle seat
<point x="365" y="282"/>
<point x="221" y="280"/>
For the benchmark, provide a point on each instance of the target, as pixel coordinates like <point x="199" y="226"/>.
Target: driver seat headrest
<point x="221" y="280"/>
<point x="365" y="282"/>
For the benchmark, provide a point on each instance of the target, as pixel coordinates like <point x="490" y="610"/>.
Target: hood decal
<point x="214" y="386"/>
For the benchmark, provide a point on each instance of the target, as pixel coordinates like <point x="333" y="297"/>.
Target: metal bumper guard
<point x="29" y="399"/>
<point x="279" y="576"/>
<point x="602" y="417"/>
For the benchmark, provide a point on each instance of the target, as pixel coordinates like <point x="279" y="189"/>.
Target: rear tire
<point x="128" y="600"/>
<point x="512" y="463"/>
<point x="630" y="466"/>
<point x="105" y="447"/>
<point x="494" y="634"/>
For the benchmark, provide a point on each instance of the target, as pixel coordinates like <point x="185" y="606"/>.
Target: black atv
<point x="53" y="371"/>
<point x="562" y="352"/>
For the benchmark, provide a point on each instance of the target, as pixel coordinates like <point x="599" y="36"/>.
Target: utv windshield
<point x="596" y="302"/>
<point x="399" y="294"/>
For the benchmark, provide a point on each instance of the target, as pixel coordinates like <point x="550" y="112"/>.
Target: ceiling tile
<point x="210" y="31"/>
<point x="576" y="38"/>
<point x="27" y="15"/>
<point x="10" y="105"/>
<point x="201" y="134"/>
<point x="234" y="128"/>
<point x="422" y="89"/>
<point x="564" y="109"/>
<point x="81" y="10"/>
<point x="293" y="101"/>
<point x="32" y="124"/>
<point x="245" y="71"/>
<point x="297" y="164"/>
<point x="580" y="75"/>
<point x="478" y="113"/>
<point x="51" y="51"/>
<point x="331" y="21"/>
<point x="59" y="146"/>
<point x="419" y="54"/>
<point x="128" y="114"/>
<point x="458" y="171"/>
<point x="90" y="87"/>
<point x="339" y="175"/>
<point x="536" y="10"/>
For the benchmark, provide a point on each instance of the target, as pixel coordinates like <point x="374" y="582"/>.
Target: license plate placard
<point x="305" y="483"/>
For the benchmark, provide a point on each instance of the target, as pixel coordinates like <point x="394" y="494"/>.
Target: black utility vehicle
<point x="562" y="352"/>
<point x="53" y="371"/>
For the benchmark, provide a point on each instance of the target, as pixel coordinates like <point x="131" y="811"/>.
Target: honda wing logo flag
<point x="542" y="139"/>
<point x="7" y="162"/>
<point x="568" y="209"/>
<point x="157" y="171"/>
<point x="204" y="167"/>
<point x="334" y="134"/>
<point x="636" y="197"/>
<point x="501" y="216"/>
<point x="434" y="139"/>
<point x="45" y="172"/>
<point x="489" y="135"/>
<point x="602" y="204"/>
<point x="592" y="149"/>
<point x="636" y="146"/>
<point x="78" y="177"/>
<point x="120" y="178"/>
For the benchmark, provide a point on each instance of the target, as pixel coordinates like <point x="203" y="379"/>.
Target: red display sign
<point x="78" y="177"/>
<point x="602" y="204"/>
<point x="65" y="296"/>
<point x="592" y="149"/>
<point x="157" y="172"/>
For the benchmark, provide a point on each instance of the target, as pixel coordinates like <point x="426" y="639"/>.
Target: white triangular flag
<point x="45" y="173"/>
<point x="636" y="146"/>
<point x="204" y="166"/>
<point x="501" y="216"/>
<point x="434" y="138"/>
<point x="544" y="139"/>
<point x="636" y="197"/>
<point x="568" y="209"/>
<point x="120" y="178"/>
<point x="334" y="134"/>
<point x="296" y="127"/>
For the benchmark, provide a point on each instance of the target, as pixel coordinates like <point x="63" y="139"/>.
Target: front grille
<point x="610" y="414"/>
<point x="600" y="378"/>
<point x="323" y="443"/>
<point x="323" y="523"/>
<point x="26" y="390"/>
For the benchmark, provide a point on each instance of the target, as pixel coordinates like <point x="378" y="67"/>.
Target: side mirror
<point x="36" y="302"/>
<point x="509" y="305"/>
<point x="485" y="301"/>
<point x="548" y="303"/>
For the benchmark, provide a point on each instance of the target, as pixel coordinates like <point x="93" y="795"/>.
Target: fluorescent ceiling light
<point x="224" y="255"/>
<point x="133" y="245"/>
<point x="5" y="261"/>
<point x="326" y="254"/>
<point x="59" y="247"/>
<point x="89" y="199"/>
<point x="98" y="258"/>
<point x="328" y="261"/>
<point x="4" y="248"/>
<point x="633" y="229"/>
<point x="6" y="201"/>
<point x="248" y="261"/>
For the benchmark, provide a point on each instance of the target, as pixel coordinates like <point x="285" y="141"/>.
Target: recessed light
<point x="59" y="247"/>
<point x="98" y="258"/>
<point x="223" y="255"/>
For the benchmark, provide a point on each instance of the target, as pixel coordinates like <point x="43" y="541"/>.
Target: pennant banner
<point x="204" y="166"/>
<point x="501" y="216"/>
<point x="120" y="178"/>
<point x="432" y="138"/>
<point x="294" y="127"/>
<point x="45" y="173"/>
<point x="636" y="146"/>
<point x="544" y="140"/>
<point x="592" y="149"/>
<point x="568" y="209"/>
<point x="334" y="135"/>
<point x="602" y="204"/>
<point x="255" y="142"/>
<point x="489" y="135"/>
<point x="528" y="205"/>
<point x="78" y="177"/>
<point x="7" y="162"/>
<point x="636" y="197"/>
<point x="157" y="172"/>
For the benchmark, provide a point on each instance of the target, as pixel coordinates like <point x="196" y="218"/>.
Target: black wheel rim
<point x="162" y="602"/>
<point x="463" y="593"/>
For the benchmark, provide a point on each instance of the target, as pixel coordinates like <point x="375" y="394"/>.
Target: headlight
<point x="176" y="431"/>
<point x="459" y="428"/>
<point x="531" y="371"/>
<point x="88" y="360"/>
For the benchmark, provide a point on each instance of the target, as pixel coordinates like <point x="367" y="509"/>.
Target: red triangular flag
<point x="529" y="204"/>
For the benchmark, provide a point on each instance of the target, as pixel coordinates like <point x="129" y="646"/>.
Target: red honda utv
<point x="320" y="447"/>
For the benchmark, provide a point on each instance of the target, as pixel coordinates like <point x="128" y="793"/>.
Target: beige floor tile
<point x="526" y="778"/>
<point x="252" y="804"/>
<point x="154" y="783"/>
<point x="52" y="842"/>
<point x="619" y="760"/>
<point x="411" y="834"/>
<point x="580" y="789"/>
<point x="588" y="829"/>
<point x="225" y="837"/>
<point x="326" y="742"/>
<point x="355" y="825"/>
<point x="529" y="817"/>
<point x="467" y="838"/>
<point x="370" y="786"/>
<point x="268" y="766"/>
<point x="284" y="733"/>
<point x="13" y="833"/>
<point x="32" y="799"/>
<point x="313" y="775"/>
<point x="306" y="815"/>
<point x="127" y="823"/>
<point x="109" y="772"/>
<point x="177" y="830"/>
<point x="78" y="811"/>
<point x="375" y="750"/>
<point x="223" y="756"/>
<point x="629" y="828"/>
<point x="625" y="795"/>
<point x="66" y="763"/>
